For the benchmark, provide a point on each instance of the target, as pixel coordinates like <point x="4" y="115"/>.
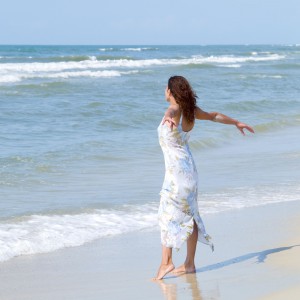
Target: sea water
<point x="79" y="154"/>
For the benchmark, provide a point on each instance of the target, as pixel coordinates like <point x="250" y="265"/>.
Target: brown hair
<point x="184" y="96"/>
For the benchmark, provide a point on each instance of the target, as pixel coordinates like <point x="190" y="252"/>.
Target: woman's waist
<point x="179" y="159"/>
<point x="183" y="151"/>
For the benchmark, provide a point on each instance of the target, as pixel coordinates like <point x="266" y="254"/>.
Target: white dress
<point x="178" y="203"/>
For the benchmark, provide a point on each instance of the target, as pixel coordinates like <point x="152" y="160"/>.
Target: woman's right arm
<point x="170" y="116"/>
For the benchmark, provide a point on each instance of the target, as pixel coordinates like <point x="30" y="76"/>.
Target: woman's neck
<point x="172" y="101"/>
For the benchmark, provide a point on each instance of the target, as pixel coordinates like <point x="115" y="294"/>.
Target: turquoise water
<point x="80" y="158"/>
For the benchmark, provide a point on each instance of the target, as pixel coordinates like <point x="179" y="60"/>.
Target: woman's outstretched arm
<point x="220" y="118"/>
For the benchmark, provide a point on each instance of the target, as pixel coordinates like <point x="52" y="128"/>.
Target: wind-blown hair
<point x="184" y="96"/>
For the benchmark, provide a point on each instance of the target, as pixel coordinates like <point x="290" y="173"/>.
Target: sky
<point x="152" y="22"/>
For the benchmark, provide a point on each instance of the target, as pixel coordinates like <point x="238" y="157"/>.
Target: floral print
<point x="178" y="203"/>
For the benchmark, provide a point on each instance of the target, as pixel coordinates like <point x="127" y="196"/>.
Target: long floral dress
<point x="178" y="203"/>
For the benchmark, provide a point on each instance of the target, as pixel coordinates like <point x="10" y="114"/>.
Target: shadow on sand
<point x="260" y="256"/>
<point x="169" y="290"/>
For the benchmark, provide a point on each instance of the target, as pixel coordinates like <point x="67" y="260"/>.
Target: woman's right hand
<point x="170" y="122"/>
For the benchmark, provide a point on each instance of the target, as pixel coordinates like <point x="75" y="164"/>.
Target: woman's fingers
<point x="242" y="126"/>
<point x="250" y="129"/>
<point x="170" y="121"/>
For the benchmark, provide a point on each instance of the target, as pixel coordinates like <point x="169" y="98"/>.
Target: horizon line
<point x="203" y="45"/>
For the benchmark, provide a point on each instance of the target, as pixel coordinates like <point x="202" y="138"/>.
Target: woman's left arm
<point x="220" y="118"/>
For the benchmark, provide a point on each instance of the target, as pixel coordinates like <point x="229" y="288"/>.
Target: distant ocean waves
<point x="38" y="233"/>
<point x="129" y="49"/>
<point x="110" y="66"/>
<point x="61" y="75"/>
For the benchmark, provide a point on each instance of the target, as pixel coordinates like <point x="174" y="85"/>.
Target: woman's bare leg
<point x="166" y="265"/>
<point x="191" y="250"/>
<point x="189" y="264"/>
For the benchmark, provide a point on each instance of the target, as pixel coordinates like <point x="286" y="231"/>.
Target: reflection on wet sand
<point x="169" y="289"/>
<point x="172" y="290"/>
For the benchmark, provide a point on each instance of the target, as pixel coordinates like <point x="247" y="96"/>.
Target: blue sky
<point x="150" y="22"/>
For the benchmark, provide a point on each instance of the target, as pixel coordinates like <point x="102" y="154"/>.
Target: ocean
<point x="79" y="153"/>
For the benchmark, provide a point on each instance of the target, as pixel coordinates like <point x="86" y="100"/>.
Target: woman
<point x="179" y="217"/>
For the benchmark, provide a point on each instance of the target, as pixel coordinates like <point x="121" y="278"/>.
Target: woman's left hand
<point x="241" y="126"/>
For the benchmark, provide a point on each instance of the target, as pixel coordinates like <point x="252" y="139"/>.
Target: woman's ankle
<point x="190" y="263"/>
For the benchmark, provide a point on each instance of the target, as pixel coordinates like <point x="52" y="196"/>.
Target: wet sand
<point x="256" y="256"/>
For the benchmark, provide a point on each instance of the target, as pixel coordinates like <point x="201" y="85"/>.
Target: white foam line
<point x="106" y="49"/>
<point x="63" y="75"/>
<point x="138" y="49"/>
<point x="128" y="63"/>
<point x="235" y="59"/>
<point x="261" y="76"/>
<point x="41" y="234"/>
<point x="231" y="66"/>
<point x="131" y="49"/>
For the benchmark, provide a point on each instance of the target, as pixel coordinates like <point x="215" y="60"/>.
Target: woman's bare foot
<point x="163" y="270"/>
<point x="185" y="269"/>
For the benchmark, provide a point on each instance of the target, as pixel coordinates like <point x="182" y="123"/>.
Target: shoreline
<point x="256" y="252"/>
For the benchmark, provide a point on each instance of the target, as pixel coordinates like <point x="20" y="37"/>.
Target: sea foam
<point x="93" y="63"/>
<point x="21" y="76"/>
<point x="46" y="233"/>
<point x="91" y="67"/>
<point x="138" y="49"/>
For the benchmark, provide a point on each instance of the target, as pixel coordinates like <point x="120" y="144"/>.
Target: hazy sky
<point x="150" y="22"/>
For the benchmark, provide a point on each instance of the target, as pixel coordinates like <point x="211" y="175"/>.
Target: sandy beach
<point x="256" y="256"/>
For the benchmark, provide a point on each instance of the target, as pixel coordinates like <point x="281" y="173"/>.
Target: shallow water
<point x="79" y="149"/>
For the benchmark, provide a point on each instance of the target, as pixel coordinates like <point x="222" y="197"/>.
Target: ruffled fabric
<point x="178" y="203"/>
